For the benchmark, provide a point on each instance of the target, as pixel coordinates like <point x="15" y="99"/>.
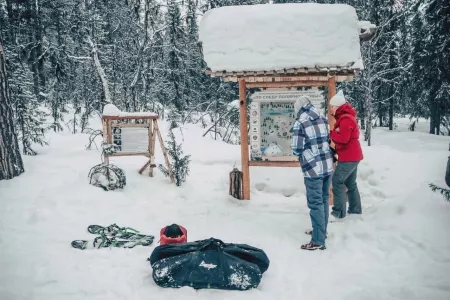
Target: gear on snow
<point x="114" y="236"/>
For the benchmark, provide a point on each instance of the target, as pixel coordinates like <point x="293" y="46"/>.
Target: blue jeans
<point x="318" y="195"/>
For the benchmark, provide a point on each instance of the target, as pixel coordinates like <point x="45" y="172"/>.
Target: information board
<point x="129" y="139"/>
<point x="272" y="117"/>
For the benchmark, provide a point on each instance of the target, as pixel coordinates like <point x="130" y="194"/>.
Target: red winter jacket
<point x="346" y="135"/>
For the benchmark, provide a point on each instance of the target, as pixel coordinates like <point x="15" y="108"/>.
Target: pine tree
<point x="437" y="17"/>
<point x="417" y="91"/>
<point x="30" y="118"/>
<point x="195" y="65"/>
<point x="175" y="57"/>
<point x="444" y="192"/>
<point x="11" y="164"/>
<point x="179" y="163"/>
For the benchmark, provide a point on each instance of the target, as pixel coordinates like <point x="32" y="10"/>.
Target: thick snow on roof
<point x="280" y="36"/>
<point x="111" y="110"/>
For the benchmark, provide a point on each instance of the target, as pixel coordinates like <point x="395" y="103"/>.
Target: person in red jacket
<point x="345" y="136"/>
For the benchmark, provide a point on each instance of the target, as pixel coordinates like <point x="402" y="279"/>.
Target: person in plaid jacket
<point x="310" y="144"/>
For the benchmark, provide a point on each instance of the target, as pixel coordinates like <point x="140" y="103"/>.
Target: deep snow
<point x="399" y="249"/>
<point x="280" y="36"/>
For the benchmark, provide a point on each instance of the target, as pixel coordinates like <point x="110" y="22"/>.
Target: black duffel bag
<point x="208" y="263"/>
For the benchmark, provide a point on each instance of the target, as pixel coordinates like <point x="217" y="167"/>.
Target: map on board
<point x="130" y="139"/>
<point x="272" y="117"/>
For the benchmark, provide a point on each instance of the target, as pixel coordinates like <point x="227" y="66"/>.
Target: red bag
<point x="173" y="234"/>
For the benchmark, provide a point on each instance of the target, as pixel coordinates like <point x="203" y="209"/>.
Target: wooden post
<point x="161" y="143"/>
<point x="147" y="164"/>
<point x="152" y="143"/>
<point x="331" y="120"/>
<point x="108" y="135"/>
<point x="150" y="146"/>
<point x="244" y="139"/>
<point x="331" y="93"/>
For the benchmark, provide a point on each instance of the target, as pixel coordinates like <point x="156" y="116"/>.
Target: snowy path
<point x="399" y="249"/>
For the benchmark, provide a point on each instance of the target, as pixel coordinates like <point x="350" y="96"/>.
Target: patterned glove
<point x="333" y="152"/>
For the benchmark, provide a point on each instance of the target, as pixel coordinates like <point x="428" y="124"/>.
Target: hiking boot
<point x="311" y="246"/>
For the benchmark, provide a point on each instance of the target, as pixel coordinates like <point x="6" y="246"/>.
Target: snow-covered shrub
<point x="444" y="192"/>
<point x="108" y="177"/>
<point x="108" y="149"/>
<point x="179" y="163"/>
<point x="93" y="135"/>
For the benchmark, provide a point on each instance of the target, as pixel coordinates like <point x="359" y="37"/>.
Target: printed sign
<point x="130" y="139"/>
<point x="272" y="117"/>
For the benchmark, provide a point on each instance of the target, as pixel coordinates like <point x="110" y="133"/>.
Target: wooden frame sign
<point x="284" y="66"/>
<point x="272" y="117"/>
<point x="276" y="160"/>
<point x="134" y="134"/>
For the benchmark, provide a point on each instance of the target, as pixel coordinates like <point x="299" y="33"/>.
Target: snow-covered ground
<point x="399" y="249"/>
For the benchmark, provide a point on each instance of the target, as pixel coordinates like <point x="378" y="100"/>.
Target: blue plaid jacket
<point x="310" y="143"/>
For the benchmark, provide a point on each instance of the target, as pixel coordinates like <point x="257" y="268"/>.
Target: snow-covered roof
<point x="271" y="37"/>
<point x="112" y="111"/>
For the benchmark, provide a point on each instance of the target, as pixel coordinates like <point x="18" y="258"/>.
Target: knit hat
<point x="338" y="99"/>
<point x="302" y="101"/>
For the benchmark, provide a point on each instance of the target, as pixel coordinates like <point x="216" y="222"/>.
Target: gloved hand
<point x="335" y="159"/>
<point x="333" y="152"/>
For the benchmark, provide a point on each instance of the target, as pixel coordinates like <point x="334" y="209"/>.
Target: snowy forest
<point x="65" y="59"/>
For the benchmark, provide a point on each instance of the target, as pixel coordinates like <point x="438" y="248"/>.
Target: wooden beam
<point x="244" y="139"/>
<point x="281" y="78"/>
<point x="130" y="125"/>
<point x="284" y="78"/>
<point x="331" y="92"/>
<point x="163" y="149"/>
<point x="331" y="120"/>
<point x="341" y="71"/>
<point x="155" y="117"/>
<point x="109" y="138"/>
<point x="261" y="163"/>
<point x="147" y="164"/>
<point x="152" y="147"/>
<point x="151" y="138"/>
<point x="130" y="154"/>
<point x="105" y="137"/>
<point x="285" y="84"/>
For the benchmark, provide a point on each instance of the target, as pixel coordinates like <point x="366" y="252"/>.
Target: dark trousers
<point x="345" y="177"/>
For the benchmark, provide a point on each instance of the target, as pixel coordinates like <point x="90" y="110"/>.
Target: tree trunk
<point x="362" y="115"/>
<point x="100" y="70"/>
<point x="11" y="164"/>
<point x="369" y="107"/>
<point x="380" y="113"/>
<point x="438" y="119"/>
<point x="435" y="118"/>
<point x="432" y="117"/>
<point x="391" y="113"/>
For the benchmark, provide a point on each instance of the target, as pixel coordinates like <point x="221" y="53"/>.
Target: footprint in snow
<point x="260" y="186"/>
